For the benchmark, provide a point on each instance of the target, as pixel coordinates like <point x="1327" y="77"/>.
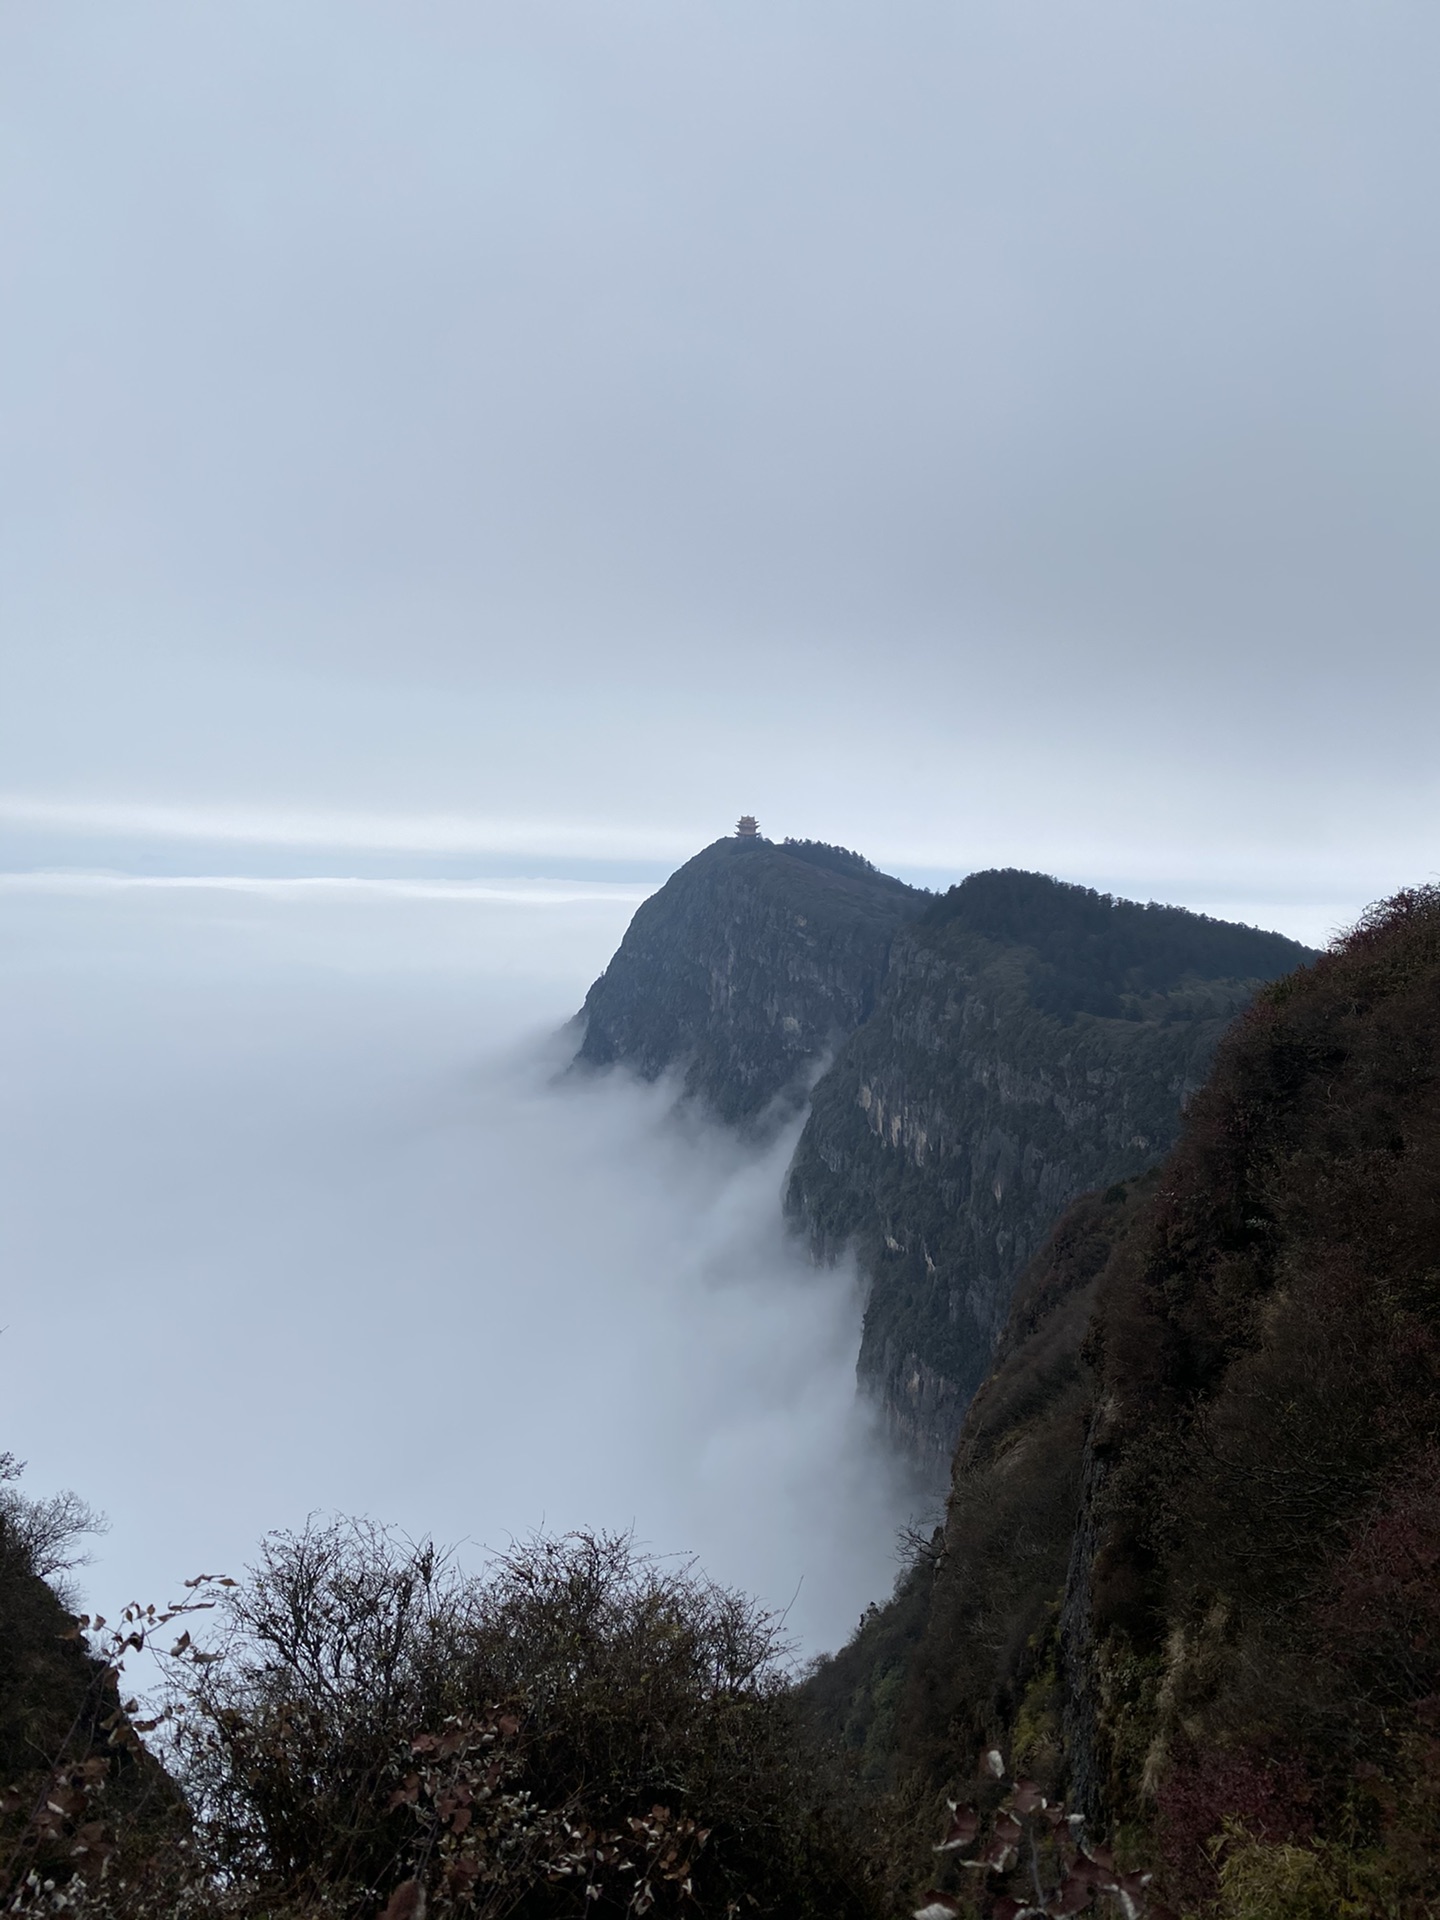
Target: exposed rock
<point x="746" y="971"/>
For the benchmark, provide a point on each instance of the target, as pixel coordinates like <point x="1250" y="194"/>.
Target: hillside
<point x="66" y="1746"/>
<point x="1032" y="1040"/>
<point x="1188" y="1572"/>
<point x="988" y="1054"/>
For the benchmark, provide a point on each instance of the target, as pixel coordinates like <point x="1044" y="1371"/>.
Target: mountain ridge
<point x="970" y="1061"/>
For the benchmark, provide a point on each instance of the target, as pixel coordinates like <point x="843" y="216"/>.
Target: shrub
<point x="1261" y="1880"/>
<point x="581" y="1729"/>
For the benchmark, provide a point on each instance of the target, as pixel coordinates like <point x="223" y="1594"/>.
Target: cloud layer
<point x="294" y="1222"/>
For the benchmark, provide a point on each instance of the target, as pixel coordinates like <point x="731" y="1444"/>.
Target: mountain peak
<point x="746" y="970"/>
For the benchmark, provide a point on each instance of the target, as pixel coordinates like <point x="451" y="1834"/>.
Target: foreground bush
<point x="584" y="1729"/>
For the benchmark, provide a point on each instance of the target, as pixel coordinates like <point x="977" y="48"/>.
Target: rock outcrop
<point x="746" y="971"/>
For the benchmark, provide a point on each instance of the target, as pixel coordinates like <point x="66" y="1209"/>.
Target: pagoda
<point x="747" y="827"/>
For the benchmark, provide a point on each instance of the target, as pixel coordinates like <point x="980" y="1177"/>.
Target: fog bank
<point x="299" y="1219"/>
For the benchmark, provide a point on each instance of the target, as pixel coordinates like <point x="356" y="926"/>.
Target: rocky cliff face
<point x="994" y="1053"/>
<point x="969" y="1643"/>
<point x="746" y="971"/>
<point x="1032" y="1041"/>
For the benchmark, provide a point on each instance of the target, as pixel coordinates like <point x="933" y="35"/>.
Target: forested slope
<point x="1032" y="1040"/>
<point x="988" y="1055"/>
<point x="1188" y="1576"/>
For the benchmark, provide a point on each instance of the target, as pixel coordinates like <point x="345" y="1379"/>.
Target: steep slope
<point x="950" y="1663"/>
<point x="51" y="1692"/>
<point x="746" y="970"/>
<point x="1253" y="1613"/>
<point x="1032" y="1040"/>
<point x="67" y="1755"/>
<point x="1188" y="1575"/>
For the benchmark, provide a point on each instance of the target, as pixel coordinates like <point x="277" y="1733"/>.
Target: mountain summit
<point x="747" y="970"/>
<point x="983" y="1056"/>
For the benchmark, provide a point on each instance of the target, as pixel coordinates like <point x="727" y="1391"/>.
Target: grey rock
<point x="745" y="973"/>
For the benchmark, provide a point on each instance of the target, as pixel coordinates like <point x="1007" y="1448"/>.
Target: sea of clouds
<point x="302" y="1215"/>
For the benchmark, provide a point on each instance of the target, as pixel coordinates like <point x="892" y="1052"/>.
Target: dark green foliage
<point x="1271" y="1379"/>
<point x="1032" y="1040"/>
<point x="966" y="1654"/>
<point x="821" y="854"/>
<point x="1090" y="949"/>
<point x="1192" y="1556"/>
<point x="854" y="1696"/>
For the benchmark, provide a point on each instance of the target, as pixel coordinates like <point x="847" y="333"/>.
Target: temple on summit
<point x="747" y="827"/>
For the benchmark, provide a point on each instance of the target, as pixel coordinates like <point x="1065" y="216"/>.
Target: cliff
<point x="1032" y="1040"/>
<point x="966" y="1650"/>
<point x="1187" y="1577"/>
<point x="987" y="1055"/>
<point x="746" y="971"/>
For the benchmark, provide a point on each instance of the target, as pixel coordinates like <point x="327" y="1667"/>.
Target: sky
<point x="516" y="438"/>
<point x="454" y="459"/>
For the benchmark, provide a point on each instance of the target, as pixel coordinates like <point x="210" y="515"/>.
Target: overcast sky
<point x="528" y="434"/>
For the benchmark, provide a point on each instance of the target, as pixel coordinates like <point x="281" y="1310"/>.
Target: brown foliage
<point x="1191" y="1554"/>
<point x="363" y="1731"/>
<point x="1021" y="1855"/>
<point x="987" y="1656"/>
<point x="582" y="1730"/>
<point x="1270" y="1373"/>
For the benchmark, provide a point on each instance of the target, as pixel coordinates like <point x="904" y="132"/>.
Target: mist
<point x="301" y="1216"/>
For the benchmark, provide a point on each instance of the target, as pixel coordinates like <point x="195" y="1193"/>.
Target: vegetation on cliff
<point x="989" y="1054"/>
<point x="951" y="1665"/>
<point x="1088" y="952"/>
<point x="1188" y="1576"/>
<point x="1032" y="1040"/>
